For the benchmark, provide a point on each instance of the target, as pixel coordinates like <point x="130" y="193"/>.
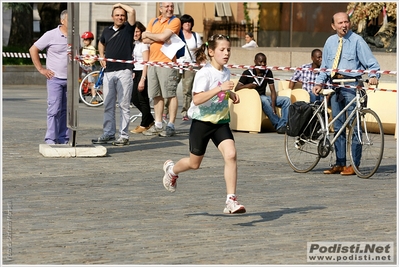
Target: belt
<point x="340" y="76"/>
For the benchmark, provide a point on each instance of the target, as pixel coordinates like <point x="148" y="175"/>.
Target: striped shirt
<point x="306" y="77"/>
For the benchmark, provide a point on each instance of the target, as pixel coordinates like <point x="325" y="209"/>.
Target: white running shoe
<point x="169" y="181"/>
<point x="153" y="130"/>
<point x="232" y="206"/>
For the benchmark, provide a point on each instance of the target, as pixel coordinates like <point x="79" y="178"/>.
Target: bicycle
<point x="96" y="78"/>
<point x="303" y="152"/>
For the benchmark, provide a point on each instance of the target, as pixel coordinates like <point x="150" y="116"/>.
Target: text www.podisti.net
<point x="376" y="252"/>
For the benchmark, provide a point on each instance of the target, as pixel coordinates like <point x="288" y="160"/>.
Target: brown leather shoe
<point x="135" y="129"/>
<point x="140" y="129"/>
<point x="348" y="171"/>
<point x="335" y="169"/>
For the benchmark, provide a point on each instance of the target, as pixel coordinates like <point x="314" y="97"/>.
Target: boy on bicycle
<point x="87" y="65"/>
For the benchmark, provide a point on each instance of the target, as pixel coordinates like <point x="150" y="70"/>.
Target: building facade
<point x="274" y="24"/>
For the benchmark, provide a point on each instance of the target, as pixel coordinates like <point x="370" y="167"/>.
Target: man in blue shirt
<point x="355" y="55"/>
<point x="306" y="76"/>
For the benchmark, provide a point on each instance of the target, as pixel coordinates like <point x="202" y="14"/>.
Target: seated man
<point x="308" y="77"/>
<point x="258" y="79"/>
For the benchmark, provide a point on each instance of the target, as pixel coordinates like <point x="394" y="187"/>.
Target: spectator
<point x="116" y="42"/>
<point x="249" y="41"/>
<point x="306" y="76"/>
<point x="209" y="111"/>
<point x="140" y="85"/>
<point x="162" y="82"/>
<point x="87" y="65"/>
<point x="55" y="41"/>
<point x="350" y="52"/>
<point x="258" y="79"/>
<point x="193" y="41"/>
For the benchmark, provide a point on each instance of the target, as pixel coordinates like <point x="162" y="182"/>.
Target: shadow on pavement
<point x="265" y="216"/>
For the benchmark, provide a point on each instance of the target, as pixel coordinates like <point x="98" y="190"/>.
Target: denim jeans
<point x="282" y="102"/>
<point x="118" y="85"/>
<point x="341" y="143"/>
<point x="313" y="97"/>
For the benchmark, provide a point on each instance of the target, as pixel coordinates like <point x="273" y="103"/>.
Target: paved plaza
<point x="115" y="210"/>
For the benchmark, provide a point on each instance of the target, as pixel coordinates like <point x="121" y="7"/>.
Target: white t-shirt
<point x="252" y="43"/>
<point x="139" y="48"/>
<point x="216" y="109"/>
<point x="192" y="46"/>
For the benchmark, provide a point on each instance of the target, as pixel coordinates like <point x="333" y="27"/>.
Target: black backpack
<point x="299" y="114"/>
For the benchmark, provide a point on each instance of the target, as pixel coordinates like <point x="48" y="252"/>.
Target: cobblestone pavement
<point x="114" y="209"/>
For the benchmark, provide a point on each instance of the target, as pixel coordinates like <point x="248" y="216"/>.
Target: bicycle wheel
<point x="302" y="151"/>
<point x="88" y="82"/>
<point x="370" y="143"/>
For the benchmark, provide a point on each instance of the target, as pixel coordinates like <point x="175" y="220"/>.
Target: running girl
<point x="209" y="111"/>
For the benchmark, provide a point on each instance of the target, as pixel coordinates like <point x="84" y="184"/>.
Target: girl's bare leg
<point x="185" y="164"/>
<point x="228" y="150"/>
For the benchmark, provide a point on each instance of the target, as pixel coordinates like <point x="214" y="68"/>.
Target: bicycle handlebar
<point x="341" y="81"/>
<point x="349" y="80"/>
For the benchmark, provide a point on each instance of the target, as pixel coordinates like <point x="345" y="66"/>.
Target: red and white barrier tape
<point x="21" y="55"/>
<point x="235" y="66"/>
<point x="327" y="84"/>
<point x="195" y="66"/>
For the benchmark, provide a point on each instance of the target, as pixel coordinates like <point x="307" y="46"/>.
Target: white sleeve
<point x="201" y="82"/>
<point x="199" y="41"/>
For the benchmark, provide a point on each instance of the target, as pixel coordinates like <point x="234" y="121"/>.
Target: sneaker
<point x="153" y="130"/>
<point x="232" y="206"/>
<point x="169" y="131"/>
<point x="104" y="139"/>
<point x="164" y="117"/>
<point x="121" y="142"/>
<point x="169" y="181"/>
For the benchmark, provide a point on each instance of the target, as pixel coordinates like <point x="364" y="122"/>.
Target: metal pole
<point x="73" y="70"/>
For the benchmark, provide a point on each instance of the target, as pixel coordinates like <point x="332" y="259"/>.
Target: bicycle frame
<point x="355" y="111"/>
<point x="100" y="79"/>
<point x="365" y="141"/>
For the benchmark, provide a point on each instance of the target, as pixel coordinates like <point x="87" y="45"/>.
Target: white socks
<point x="230" y="196"/>
<point x="171" y="172"/>
<point x="158" y="124"/>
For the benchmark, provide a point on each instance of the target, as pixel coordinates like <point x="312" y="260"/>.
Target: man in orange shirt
<point x="162" y="82"/>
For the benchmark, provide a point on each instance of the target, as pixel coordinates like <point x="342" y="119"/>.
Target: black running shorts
<point x="201" y="132"/>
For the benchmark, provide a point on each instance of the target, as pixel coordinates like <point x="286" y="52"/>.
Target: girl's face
<point x="247" y="38"/>
<point x="137" y="34"/>
<point x="221" y="54"/>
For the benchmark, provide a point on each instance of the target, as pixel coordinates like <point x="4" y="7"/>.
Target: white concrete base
<point x="66" y="151"/>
